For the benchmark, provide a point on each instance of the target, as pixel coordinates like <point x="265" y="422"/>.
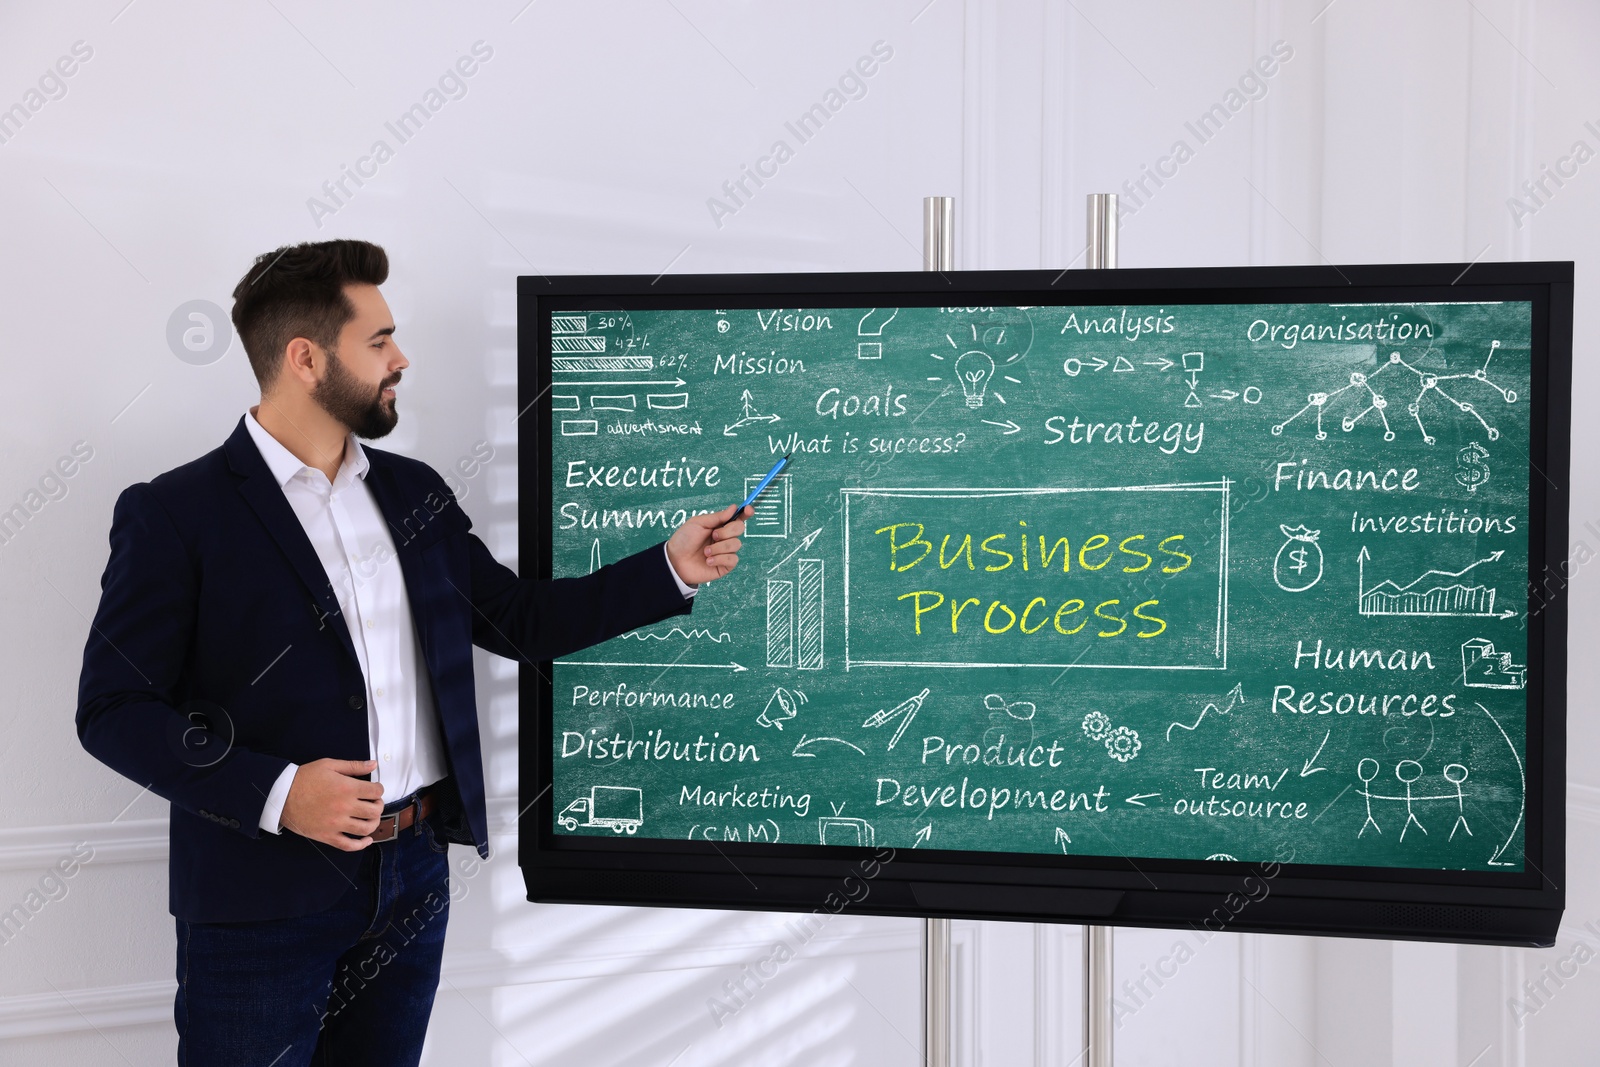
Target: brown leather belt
<point x="390" y="825"/>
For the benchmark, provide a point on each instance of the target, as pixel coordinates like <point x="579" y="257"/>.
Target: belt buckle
<point x="415" y="807"/>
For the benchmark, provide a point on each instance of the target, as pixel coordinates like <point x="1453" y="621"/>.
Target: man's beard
<point x="348" y="399"/>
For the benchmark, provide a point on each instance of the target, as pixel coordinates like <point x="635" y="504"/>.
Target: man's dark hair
<point x="298" y="291"/>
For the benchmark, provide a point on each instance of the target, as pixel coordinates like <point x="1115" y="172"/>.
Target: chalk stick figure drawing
<point x="1455" y="774"/>
<point x="1367" y="770"/>
<point x="1408" y="771"/>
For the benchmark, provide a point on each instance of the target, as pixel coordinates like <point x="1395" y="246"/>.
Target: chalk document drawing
<point x="772" y="508"/>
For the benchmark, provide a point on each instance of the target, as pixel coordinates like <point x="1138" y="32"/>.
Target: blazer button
<point x="355" y="702"/>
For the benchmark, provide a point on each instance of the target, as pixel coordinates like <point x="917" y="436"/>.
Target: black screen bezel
<point x="586" y="869"/>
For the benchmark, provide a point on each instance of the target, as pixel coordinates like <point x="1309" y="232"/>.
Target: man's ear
<point x="300" y="360"/>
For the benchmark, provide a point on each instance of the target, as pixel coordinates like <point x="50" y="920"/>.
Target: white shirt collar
<point x="285" y="464"/>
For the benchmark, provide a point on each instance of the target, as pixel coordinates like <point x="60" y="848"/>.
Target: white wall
<point x="194" y="136"/>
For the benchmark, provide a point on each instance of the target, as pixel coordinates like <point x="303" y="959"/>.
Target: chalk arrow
<point x="923" y="835"/>
<point x="804" y="544"/>
<point x="734" y="667"/>
<point x="1008" y="426"/>
<point x="1063" y="840"/>
<point x="1099" y="364"/>
<point x="1138" y="799"/>
<point x="804" y="741"/>
<point x="1307" y="770"/>
<point x="1226" y="394"/>
<point x="1162" y="363"/>
<point x="677" y="382"/>
<point x="1506" y="614"/>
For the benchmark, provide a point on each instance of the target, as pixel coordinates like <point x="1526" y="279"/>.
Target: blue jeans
<point x="352" y="985"/>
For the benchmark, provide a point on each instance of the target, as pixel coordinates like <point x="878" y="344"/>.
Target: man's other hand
<point x="329" y="800"/>
<point x="700" y="552"/>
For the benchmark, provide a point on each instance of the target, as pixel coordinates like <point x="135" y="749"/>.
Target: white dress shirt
<point x="351" y="539"/>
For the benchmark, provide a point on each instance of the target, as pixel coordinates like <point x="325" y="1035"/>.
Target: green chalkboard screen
<point x="1235" y="578"/>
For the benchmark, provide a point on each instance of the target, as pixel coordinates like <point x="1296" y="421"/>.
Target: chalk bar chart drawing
<point x="1430" y="593"/>
<point x="795" y="617"/>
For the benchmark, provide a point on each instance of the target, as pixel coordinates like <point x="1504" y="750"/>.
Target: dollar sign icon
<point x="1473" y="470"/>
<point x="1298" y="565"/>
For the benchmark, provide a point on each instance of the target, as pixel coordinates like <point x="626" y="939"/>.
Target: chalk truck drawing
<point x="618" y="807"/>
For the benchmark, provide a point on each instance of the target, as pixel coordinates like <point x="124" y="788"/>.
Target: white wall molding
<point x="145" y="1003"/>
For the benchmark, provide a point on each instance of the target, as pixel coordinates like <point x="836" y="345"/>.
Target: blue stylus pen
<point x="771" y="474"/>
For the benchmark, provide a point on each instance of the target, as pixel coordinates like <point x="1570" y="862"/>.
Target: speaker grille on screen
<point x="1432" y="917"/>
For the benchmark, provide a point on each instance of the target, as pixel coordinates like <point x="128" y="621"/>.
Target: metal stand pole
<point x="1098" y="1017"/>
<point x="938" y="253"/>
<point x="938" y="233"/>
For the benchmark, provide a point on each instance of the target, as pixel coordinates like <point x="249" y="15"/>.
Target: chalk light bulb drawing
<point x="975" y="369"/>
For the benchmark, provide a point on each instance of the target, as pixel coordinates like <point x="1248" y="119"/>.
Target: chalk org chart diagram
<point x="1200" y="581"/>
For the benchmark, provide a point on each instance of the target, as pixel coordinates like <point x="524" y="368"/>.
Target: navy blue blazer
<point x="218" y="656"/>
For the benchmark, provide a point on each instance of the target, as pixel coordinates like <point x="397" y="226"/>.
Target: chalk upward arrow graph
<point x="1235" y="696"/>
<point x="1388" y="598"/>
